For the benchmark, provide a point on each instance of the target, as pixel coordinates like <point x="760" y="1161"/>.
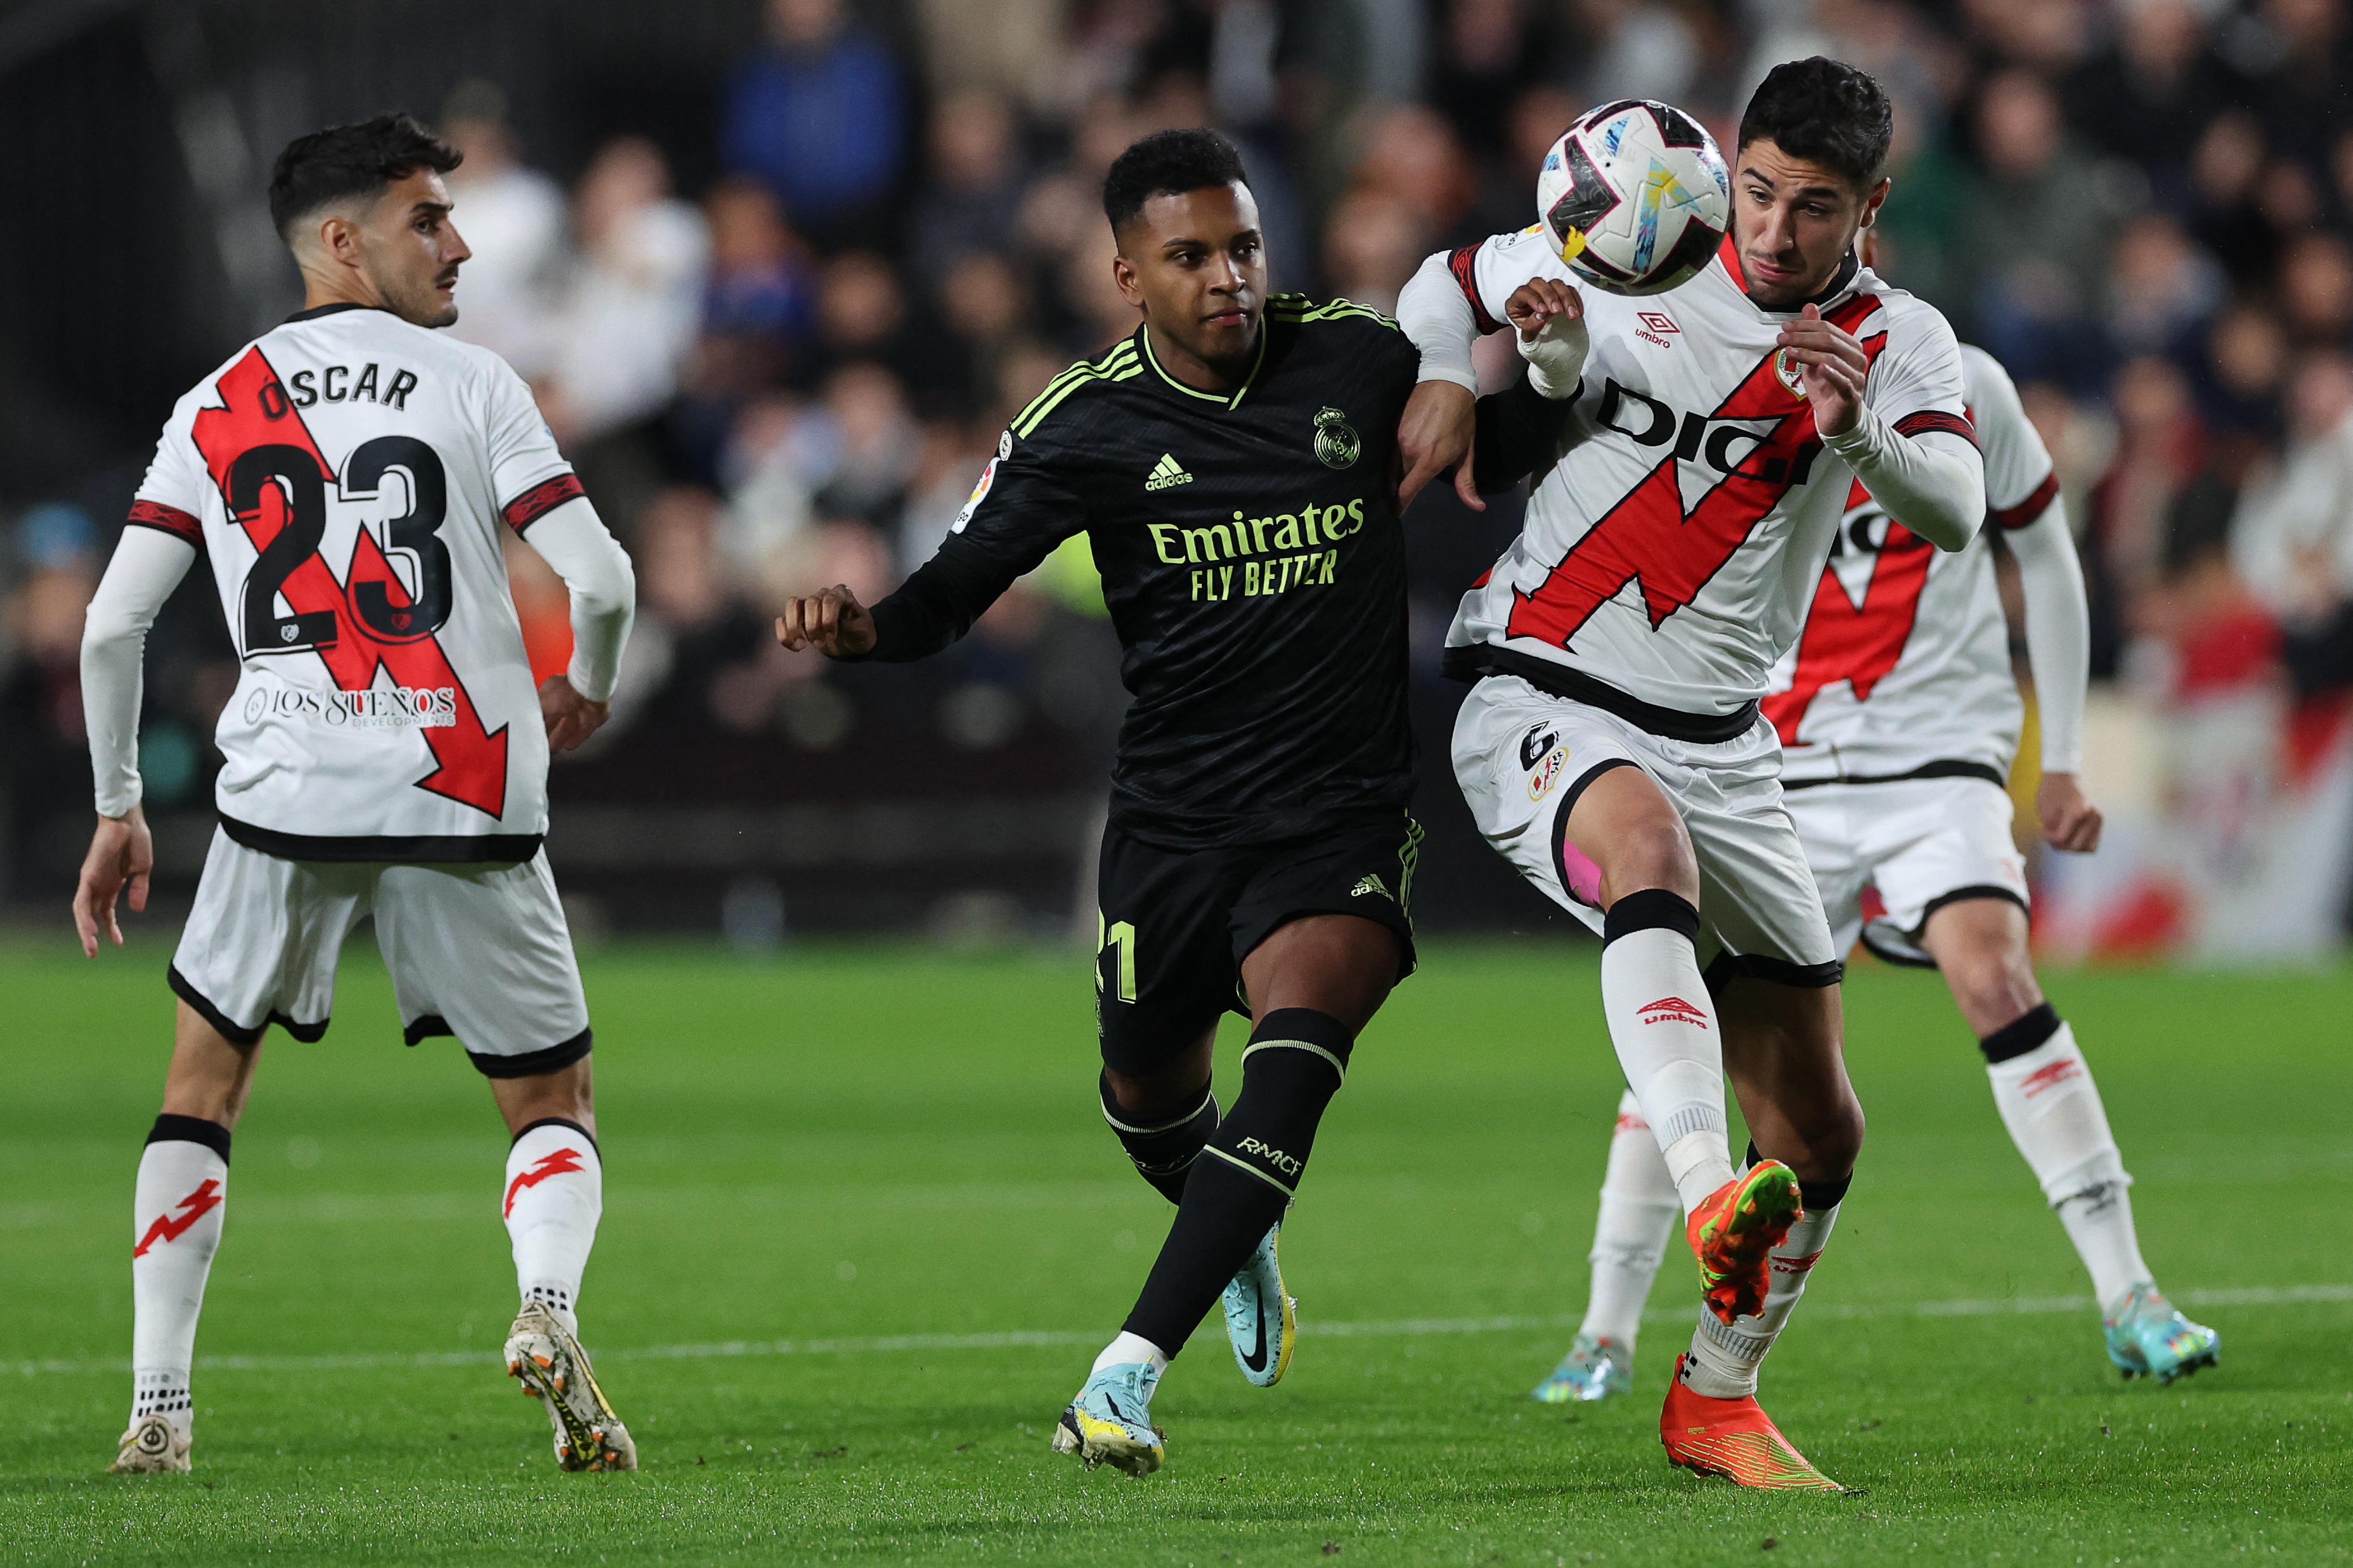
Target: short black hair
<point x="1168" y="162"/>
<point x="346" y="161"/>
<point x="1824" y="112"/>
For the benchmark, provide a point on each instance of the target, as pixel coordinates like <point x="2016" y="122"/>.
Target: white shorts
<point x="1923" y="843"/>
<point x="1523" y="755"/>
<point x="480" y="951"/>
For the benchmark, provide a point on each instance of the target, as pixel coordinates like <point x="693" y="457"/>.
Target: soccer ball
<point x="1634" y="196"/>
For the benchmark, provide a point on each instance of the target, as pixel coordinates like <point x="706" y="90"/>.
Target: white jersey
<point x="1673" y="549"/>
<point x="348" y="475"/>
<point x="1903" y="668"/>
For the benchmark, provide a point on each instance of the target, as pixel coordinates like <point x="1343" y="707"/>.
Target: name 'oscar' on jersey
<point x="347" y="474"/>
<point x="1904" y="661"/>
<point x="1673" y="549"/>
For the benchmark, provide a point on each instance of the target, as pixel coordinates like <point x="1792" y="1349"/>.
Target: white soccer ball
<point x="1634" y="196"/>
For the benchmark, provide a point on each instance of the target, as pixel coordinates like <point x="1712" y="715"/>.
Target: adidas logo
<point x="1167" y="471"/>
<point x="1368" y="885"/>
<point x="1672" y="1009"/>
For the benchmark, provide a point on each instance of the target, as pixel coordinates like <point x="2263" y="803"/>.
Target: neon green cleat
<point x="1593" y="1369"/>
<point x="2147" y="1338"/>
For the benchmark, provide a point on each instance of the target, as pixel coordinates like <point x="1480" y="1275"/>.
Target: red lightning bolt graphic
<point x="546" y="1165"/>
<point x="1648" y="537"/>
<point x="1859" y="644"/>
<point x="471" y="763"/>
<point x="192" y="1208"/>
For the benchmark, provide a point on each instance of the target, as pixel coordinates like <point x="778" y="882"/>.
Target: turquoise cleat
<point x="1261" y="1322"/>
<point x="2147" y="1338"/>
<point x="1593" y="1369"/>
<point x="1110" y="1423"/>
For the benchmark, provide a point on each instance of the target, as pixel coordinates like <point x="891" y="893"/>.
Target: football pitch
<point x="864" y="1229"/>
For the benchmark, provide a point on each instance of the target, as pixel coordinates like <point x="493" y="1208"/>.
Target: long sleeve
<point x="1437" y="316"/>
<point x="147" y="565"/>
<point x="2058" y="633"/>
<point x="1933" y="480"/>
<point x="604" y="588"/>
<point x="1519" y="434"/>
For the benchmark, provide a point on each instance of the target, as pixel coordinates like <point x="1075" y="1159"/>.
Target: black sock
<point x="1249" y="1172"/>
<point x="1163" y="1147"/>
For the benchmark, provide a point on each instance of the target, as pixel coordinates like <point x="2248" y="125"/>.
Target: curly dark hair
<point x="346" y="161"/>
<point x="1168" y="162"/>
<point x="1826" y="112"/>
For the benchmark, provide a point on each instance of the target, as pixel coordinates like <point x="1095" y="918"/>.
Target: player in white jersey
<point x="347" y="479"/>
<point x="1613" y="748"/>
<point x="1899" y="718"/>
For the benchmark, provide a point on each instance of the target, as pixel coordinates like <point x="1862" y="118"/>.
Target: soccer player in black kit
<point x="1234" y="466"/>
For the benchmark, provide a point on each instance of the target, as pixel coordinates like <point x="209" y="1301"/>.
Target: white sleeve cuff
<point x="1437" y="318"/>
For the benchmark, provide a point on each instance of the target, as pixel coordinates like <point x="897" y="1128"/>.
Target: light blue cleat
<point x="1110" y="1423"/>
<point x="1593" y="1369"/>
<point x="2147" y="1338"/>
<point x="1261" y="1322"/>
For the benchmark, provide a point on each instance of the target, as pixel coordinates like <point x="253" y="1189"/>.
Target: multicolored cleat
<point x="1110" y="1423"/>
<point x="1733" y="1439"/>
<point x="1594" y="1368"/>
<point x="152" y="1446"/>
<point x="2147" y="1338"/>
<point x="1733" y="1233"/>
<point x="547" y="1359"/>
<point x="1262" y="1322"/>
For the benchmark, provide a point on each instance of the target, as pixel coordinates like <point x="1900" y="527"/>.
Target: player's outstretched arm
<point x="1437" y="432"/>
<point x="833" y="622"/>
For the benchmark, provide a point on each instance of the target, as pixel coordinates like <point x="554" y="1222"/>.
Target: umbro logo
<point x="1656" y="325"/>
<point x="1167" y="471"/>
<point x="1671" y="1010"/>
<point x="1368" y="887"/>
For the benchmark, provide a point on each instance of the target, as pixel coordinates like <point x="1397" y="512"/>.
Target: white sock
<point x="1724" y="1356"/>
<point x="1639" y="1210"/>
<point x="554" y="1195"/>
<point x="175" y="1228"/>
<point x="1126" y="1351"/>
<point x="2052" y="1107"/>
<point x="1663" y="1024"/>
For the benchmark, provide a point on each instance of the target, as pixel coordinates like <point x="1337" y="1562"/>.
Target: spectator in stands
<point x="972" y="199"/>
<point x="1372" y="244"/>
<point x="513" y="220"/>
<point x="1413" y="158"/>
<point x="2292" y="540"/>
<point x="2034" y="230"/>
<point x="819" y="115"/>
<point x="2148" y="95"/>
<point x="630" y="314"/>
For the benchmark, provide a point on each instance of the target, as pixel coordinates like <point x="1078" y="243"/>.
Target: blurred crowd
<point x="792" y="377"/>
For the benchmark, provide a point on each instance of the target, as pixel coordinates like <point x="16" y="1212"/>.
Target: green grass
<point x="849" y="1145"/>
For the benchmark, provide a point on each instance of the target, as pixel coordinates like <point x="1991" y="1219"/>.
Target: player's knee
<point x="1655" y="852"/>
<point x="1296" y="1061"/>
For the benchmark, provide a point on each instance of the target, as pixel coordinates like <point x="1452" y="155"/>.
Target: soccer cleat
<point x="1255" y="1305"/>
<point x="544" y="1357"/>
<point x="1594" y="1368"/>
<point x="1110" y="1423"/>
<point x="1733" y="1439"/>
<point x="152" y="1446"/>
<point x="2148" y="1337"/>
<point x="1733" y="1233"/>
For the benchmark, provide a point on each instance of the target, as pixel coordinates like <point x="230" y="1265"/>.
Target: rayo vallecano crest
<point x="1337" y="445"/>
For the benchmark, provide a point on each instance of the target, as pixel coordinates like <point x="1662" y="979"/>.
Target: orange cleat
<point x="1733" y="1439"/>
<point x="1733" y="1233"/>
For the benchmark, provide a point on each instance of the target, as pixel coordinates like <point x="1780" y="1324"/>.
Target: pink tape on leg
<point x="1580" y="875"/>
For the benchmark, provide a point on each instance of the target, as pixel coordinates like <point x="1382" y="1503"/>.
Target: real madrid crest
<point x="1337" y="445"/>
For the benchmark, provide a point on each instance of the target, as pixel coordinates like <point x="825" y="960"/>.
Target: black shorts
<point x="1177" y="924"/>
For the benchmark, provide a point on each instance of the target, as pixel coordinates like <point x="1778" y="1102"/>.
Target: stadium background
<point x="779" y="273"/>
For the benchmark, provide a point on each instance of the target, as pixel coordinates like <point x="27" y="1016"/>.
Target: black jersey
<point x="1251" y="560"/>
